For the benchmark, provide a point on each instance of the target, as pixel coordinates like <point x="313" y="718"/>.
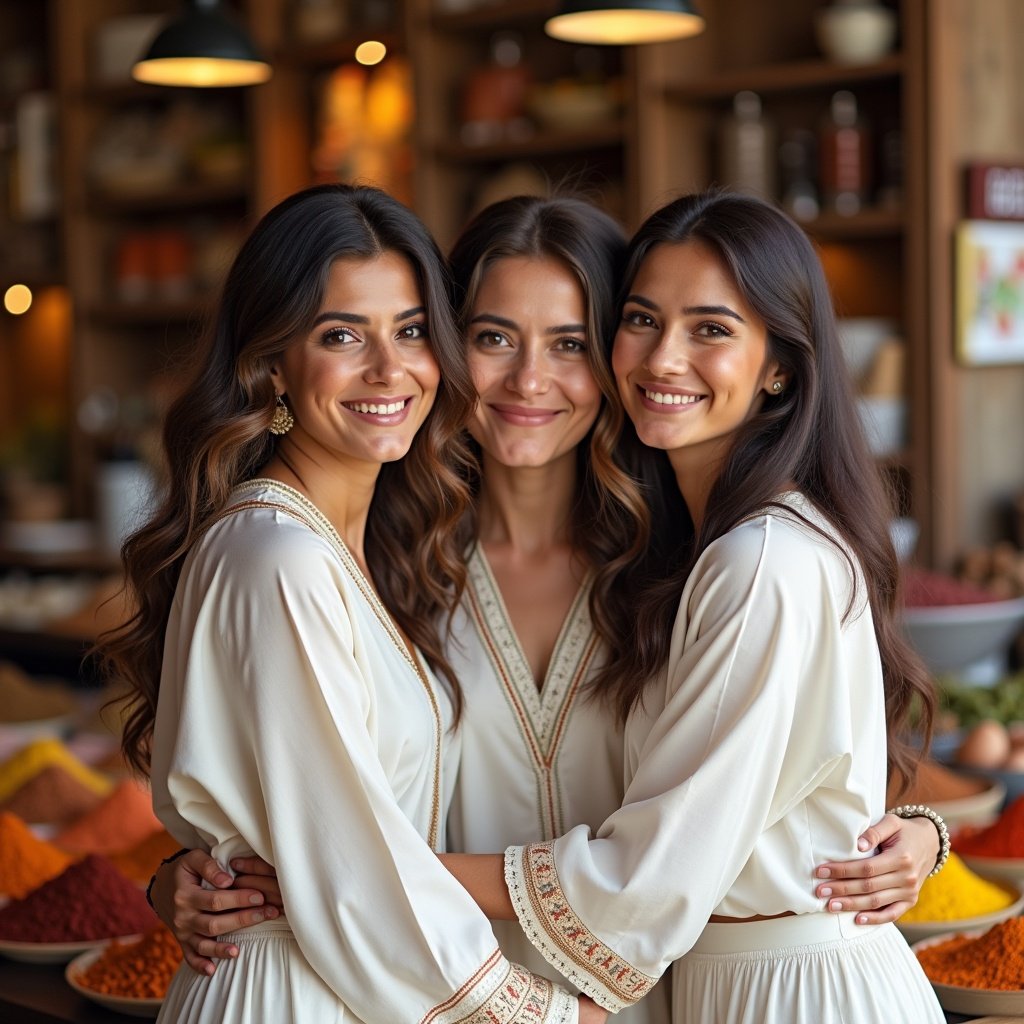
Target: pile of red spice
<point x="123" y="819"/>
<point x="995" y="960"/>
<point x="925" y="589"/>
<point x="1003" y="838"/>
<point x="89" y="900"/>
<point x="25" y="861"/>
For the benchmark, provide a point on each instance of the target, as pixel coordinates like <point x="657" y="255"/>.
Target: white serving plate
<point x="972" y="1001"/>
<point x="914" y="931"/>
<point x="120" y="1004"/>
<point x="1009" y="868"/>
<point x="47" y="952"/>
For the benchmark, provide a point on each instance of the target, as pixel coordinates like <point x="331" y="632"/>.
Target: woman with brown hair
<point x="284" y="651"/>
<point x="554" y="520"/>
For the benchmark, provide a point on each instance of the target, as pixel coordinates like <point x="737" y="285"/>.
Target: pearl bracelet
<point x="920" y="811"/>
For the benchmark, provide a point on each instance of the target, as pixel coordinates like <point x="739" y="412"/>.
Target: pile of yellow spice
<point x="957" y="893"/>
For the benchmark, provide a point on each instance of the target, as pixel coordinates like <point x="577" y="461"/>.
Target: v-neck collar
<point x="543" y="705"/>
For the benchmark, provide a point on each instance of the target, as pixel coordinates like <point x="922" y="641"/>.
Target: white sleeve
<point x="272" y="743"/>
<point x="612" y="912"/>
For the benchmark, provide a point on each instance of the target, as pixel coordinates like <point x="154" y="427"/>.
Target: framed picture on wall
<point x="990" y="292"/>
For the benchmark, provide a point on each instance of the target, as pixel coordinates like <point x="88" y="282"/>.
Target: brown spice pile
<point x="995" y="960"/>
<point x="22" y="699"/>
<point x="118" y="823"/>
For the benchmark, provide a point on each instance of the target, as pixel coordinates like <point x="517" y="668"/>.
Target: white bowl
<point x="855" y="33"/>
<point x="952" y="637"/>
<point x="914" y="931"/>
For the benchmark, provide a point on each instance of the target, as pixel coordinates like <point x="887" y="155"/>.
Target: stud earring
<point x="283" y="420"/>
<point x="777" y="386"/>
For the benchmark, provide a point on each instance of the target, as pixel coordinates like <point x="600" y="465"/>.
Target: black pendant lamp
<point x="204" y="48"/>
<point x="624" y="22"/>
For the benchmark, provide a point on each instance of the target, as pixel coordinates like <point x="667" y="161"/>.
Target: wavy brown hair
<point x="810" y="435"/>
<point x="609" y="524"/>
<point x="215" y="435"/>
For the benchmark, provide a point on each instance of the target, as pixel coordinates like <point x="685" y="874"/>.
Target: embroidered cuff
<point x="561" y="937"/>
<point x="505" y="993"/>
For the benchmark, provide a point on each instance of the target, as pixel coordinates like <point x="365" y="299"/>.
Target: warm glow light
<point x="17" y="299"/>
<point x="371" y="52"/>
<point x="201" y="72"/>
<point x="623" y="27"/>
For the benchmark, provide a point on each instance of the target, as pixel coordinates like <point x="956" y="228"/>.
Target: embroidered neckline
<point x="323" y="527"/>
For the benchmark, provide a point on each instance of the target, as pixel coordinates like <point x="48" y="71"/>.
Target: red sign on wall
<point x="995" y="192"/>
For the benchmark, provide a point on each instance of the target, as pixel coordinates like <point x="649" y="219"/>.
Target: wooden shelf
<point x="542" y="143"/>
<point x="338" y="51"/>
<point x="869" y="223"/>
<point x="121" y="314"/>
<point x="789" y="77"/>
<point x="494" y="16"/>
<point x="189" y="195"/>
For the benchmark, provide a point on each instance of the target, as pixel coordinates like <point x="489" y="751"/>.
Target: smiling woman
<point x="291" y="695"/>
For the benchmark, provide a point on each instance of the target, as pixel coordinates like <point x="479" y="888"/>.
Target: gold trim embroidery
<point x="549" y="920"/>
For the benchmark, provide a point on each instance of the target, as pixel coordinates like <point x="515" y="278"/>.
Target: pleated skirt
<point x="806" y="969"/>
<point x="269" y="982"/>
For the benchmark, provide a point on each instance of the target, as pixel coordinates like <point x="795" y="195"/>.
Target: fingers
<point x="193" y="927"/>
<point x="253" y="866"/>
<point x="867" y="902"/>
<point x="198" y="964"/>
<point x="200" y="863"/>
<point x="268" y="887"/>
<point x="880" y="832"/>
<point x="216" y="901"/>
<point x="884" y="915"/>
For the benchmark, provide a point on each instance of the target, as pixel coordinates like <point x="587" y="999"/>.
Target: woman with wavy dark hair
<point x="554" y="522"/>
<point x="284" y="651"/>
<point x="765" y="682"/>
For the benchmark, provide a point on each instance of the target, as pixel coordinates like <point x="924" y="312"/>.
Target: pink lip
<point x="524" y="415"/>
<point x="661" y="407"/>
<point x="381" y="418"/>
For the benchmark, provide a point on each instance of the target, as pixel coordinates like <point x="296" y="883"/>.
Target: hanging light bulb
<point x="624" y="22"/>
<point x="203" y="48"/>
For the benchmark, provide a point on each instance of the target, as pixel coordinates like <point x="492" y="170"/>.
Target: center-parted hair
<point x="215" y="434"/>
<point x="810" y="435"/>
<point x="609" y="524"/>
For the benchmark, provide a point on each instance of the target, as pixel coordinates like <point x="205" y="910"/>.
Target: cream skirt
<point x="806" y="969"/>
<point x="269" y="982"/>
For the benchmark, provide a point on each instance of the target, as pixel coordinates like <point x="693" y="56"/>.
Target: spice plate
<point x="976" y="809"/>
<point x="973" y="1001"/>
<point x="1010" y="868"/>
<point x="47" y="952"/>
<point x="120" y="1004"/>
<point x="914" y="931"/>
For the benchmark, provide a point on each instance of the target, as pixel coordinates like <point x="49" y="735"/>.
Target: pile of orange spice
<point x="995" y="960"/>
<point x="136" y="970"/>
<point x="25" y="861"/>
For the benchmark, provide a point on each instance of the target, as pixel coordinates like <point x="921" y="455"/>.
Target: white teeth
<point x="373" y="407"/>
<point x="665" y="399"/>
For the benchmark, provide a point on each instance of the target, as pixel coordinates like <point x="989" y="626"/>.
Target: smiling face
<point x="691" y="356"/>
<point x="527" y="352"/>
<point x="363" y="380"/>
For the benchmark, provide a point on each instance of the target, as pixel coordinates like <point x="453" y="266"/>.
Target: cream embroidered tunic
<point x="535" y="761"/>
<point x="293" y="724"/>
<point x="760" y="754"/>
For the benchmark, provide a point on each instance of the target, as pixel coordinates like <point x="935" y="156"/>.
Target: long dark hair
<point x="809" y="434"/>
<point x="216" y="436"/>
<point x="609" y="525"/>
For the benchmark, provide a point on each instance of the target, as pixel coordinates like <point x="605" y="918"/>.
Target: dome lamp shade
<point x="204" y="48"/>
<point x="624" y="22"/>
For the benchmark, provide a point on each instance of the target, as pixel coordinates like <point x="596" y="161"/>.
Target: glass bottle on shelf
<point x="494" y="96"/>
<point x="747" y="147"/>
<point x="797" y="159"/>
<point x="845" y="156"/>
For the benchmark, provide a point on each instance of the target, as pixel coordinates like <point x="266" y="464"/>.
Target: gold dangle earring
<point x="283" y="420"/>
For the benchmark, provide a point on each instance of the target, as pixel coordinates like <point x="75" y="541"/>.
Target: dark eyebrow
<point x="511" y="325"/>
<point x="713" y="311"/>
<point x="690" y="310"/>
<point x="490" y="318"/>
<point x="356" y="318"/>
